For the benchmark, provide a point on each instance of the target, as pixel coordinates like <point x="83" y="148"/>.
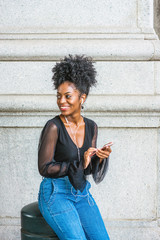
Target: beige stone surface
<point x="118" y="232"/>
<point x="44" y="103"/>
<point x="125" y="78"/>
<point x="113" y="78"/>
<point x="66" y="16"/>
<point x="129" y="189"/>
<point x="145" y="13"/>
<point x="157" y="78"/>
<point x="98" y="48"/>
<point x="26" y="77"/>
<point x="19" y="174"/>
<point x="157" y="16"/>
<point x="158" y="180"/>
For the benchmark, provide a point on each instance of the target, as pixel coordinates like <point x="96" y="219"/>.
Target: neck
<point x="73" y="119"/>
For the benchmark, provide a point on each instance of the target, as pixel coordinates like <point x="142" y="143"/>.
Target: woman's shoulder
<point x="55" y="120"/>
<point x="91" y="127"/>
<point x="53" y="123"/>
<point x="90" y="122"/>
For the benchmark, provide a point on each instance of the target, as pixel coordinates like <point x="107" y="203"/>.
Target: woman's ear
<point x="83" y="98"/>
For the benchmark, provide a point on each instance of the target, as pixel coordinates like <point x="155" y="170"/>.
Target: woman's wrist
<point x="100" y="160"/>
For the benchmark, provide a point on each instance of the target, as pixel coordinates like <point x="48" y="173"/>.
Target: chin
<point x="65" y="113"/>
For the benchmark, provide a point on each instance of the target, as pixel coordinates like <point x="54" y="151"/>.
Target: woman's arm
<point x="47" y="166"/>
<point x="99" y="161"/>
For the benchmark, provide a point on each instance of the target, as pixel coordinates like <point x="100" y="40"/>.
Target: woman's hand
<point x="103" y="153"/>
<point x="87" y="156"/>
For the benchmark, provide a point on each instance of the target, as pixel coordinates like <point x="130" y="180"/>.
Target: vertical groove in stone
<point x="157" y="17"/>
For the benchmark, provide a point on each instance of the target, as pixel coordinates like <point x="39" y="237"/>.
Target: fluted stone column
<point x="120" y="37"/>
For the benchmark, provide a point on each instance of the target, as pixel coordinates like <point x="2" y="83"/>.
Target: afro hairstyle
<point x="76" y="69"/>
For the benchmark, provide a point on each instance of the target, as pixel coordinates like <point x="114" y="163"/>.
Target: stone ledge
<point x="108" y="112"/>
<point x="47" y="103"/>
<point x="99" y="49"/>
<point x="104" y="120"/>
<point x="6" y="221"/>
<point x="89" y="33"/>
<point x="116" y="233"/>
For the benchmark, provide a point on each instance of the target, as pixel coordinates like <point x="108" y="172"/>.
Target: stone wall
<point x="119" y="35"/>
<point x="157" y="17"/>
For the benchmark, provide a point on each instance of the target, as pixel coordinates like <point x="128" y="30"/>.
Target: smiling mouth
<point x="63" y="108"/>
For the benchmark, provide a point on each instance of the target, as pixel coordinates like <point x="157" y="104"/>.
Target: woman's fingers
<point x="91" y="151"/>
<point x="87" y="156"/>
<point x="108" y="149"/>
<point x="99" y="152"/>
<point x="104" y="153"/>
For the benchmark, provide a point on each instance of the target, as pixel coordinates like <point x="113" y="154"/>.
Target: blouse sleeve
<point x="97" y="169"/>
<point x="47" y="166"/>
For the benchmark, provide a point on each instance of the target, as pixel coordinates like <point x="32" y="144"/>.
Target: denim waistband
<point x="63" y="185"/>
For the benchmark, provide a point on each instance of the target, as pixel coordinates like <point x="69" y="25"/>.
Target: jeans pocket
<point x="48" y="190"/>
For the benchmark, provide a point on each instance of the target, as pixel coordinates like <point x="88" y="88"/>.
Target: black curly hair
<point x="76" y="69"/>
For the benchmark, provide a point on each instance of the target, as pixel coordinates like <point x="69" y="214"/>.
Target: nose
<point x="62" y="100"/>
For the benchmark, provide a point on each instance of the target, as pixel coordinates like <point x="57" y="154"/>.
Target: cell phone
<point x="107" y="145"/>
<point x="103" y="148"/>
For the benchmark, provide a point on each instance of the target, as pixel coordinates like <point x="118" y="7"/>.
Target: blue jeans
<point x="71" y="214"/>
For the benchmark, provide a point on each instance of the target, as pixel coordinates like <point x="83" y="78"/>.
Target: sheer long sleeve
<point x="47" y="166"/>
<point x="58" y="156"/>
<point x="96" y="168"/>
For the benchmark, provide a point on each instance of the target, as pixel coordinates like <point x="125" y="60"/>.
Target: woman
<point x="67" y="153"/>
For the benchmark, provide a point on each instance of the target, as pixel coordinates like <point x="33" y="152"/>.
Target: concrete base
<point x="122" y="230"/>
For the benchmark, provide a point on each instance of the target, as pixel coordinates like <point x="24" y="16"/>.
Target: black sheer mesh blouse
<point x="58" y="155"/>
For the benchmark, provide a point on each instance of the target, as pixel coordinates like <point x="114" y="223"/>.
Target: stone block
<point x="130" y="186"/>
<point x="117" y="231"/>
<point x="157" y="16"/>
<point x="100" y="49"/>
<point x="26" y="77"/>
<point x="61" y="16"/>
<point x="130" y="78"/>
<point x="19" y="173"/>
<point x="157" y="77"/>
<point x="158" y="180"/>
<point x="145" y="13"/>
<point x="10" y="232"/>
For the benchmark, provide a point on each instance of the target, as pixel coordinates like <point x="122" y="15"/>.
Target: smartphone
<point x="107" y="145"/>
<point x="103" y="148"/>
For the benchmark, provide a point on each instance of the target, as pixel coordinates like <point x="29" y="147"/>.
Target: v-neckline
<point x="70" y="136"/>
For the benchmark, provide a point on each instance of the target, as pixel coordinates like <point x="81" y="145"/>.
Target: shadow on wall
<point x="157" y="17"/>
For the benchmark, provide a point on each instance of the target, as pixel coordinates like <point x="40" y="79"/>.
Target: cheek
<point x="74" y="101"/>
<point x="77" y="103"/>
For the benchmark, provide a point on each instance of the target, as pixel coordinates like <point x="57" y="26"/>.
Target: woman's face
<point x="69" y="99"/>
